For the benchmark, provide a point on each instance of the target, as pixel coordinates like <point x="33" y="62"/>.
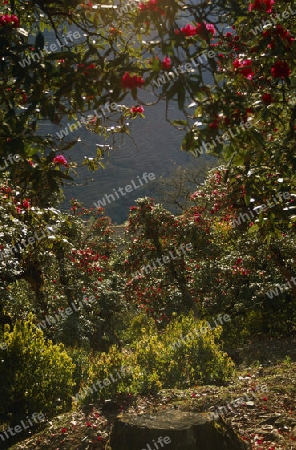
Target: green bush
<point x="160" y="360"/>
<point x="276" y="316"/>
<point x="108" y="375"/>
<point x="242" y="327"/>
<point x="197" y="358"/>
<point x="134" y="330"/>
<point x="35" y="375"/>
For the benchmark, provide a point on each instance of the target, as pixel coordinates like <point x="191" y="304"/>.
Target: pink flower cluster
<point x="280" y="69"/>
<point x="245" y="67"/>
<point x="7" y="20"/>
<point x="60" y="159"/>
<point x="202" y="29"/>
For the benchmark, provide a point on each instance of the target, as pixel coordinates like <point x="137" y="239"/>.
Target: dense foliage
<point x="185" y="354"/>
<point x="229" y="66"/>
<point x="44" y="383"/>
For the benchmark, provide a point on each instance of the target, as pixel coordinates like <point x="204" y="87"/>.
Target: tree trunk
<point x="173" y="430"/>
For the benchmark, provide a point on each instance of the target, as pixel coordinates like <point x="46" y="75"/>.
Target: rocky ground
<point x="259" y="402"/>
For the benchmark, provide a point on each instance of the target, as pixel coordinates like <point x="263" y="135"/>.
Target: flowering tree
<point x="85" y="62"/>
<point x="39" y="81"/>
<point x="230" y="72"/>
<point x="156" y="261"/>
<point x="248" y="116"/>
<point x="227" y="268"/>
<point x="51" y="262"/>
<point x="236" y="73"/>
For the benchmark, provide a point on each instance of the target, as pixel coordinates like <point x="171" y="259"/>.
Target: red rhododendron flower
<point x="262" y="5"/>
<point x="283" y="33"/>
<point x="245" y="67"/>
<point x="131" y="82"/>
<point x="204" y="28"/>
<point x="26" y="204"/>
<point x="280" y="69"/>
<point x="60" y="159"/>
<point x="278" y="31"/>
<point x="188" y="30"/>
<point x="137" y="109"/>
<point x="5" y="20"/>
<point x="210" y="27"/>
<point x="15" y="21"/>
<point x="214" y="125"/>
<point x="166" y="63"/>
<point x="9" y="20"/>
<point x="266" y="98"/>
<point x="201" y="29"/>
<point x="149" y="6"/>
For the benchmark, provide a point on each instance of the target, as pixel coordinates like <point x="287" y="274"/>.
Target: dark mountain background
<point x="152" y="147"/>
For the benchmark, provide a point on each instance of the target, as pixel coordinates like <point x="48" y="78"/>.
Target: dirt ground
<point x="264" y="413"/>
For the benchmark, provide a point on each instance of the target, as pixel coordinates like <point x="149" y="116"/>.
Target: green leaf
<point x="198" y="111"/>
<point x="253" y="229"/>
<point x="188" y="142"/>
<point x="180" y="122"/>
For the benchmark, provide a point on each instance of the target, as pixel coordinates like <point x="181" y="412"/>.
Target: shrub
<point x="35" y="375"/>
<point x="160" y="359"/>
<point x="198" y="358"/>
<point x="108" y="375"/>
<point x="134" y="330"/>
